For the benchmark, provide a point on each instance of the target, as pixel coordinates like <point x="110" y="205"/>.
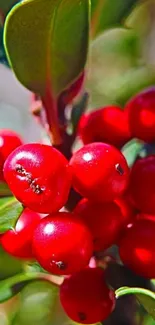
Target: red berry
<point x="109" y="124"/>
<point x="18" y="241"/>
<point x="141" y="187"/>
<point x="144" y="216"/>
<point x="9" y="140"/>
<point x="100" y="172"/>
<point x="141" y="115"/>
<point x="137" y="248"/>
<point x="127" y="210"/>
<point x="62" y="244"/>
<point x="86" y="297"/>
<point x="104" y="220"/>
<point x="39" y="176"/>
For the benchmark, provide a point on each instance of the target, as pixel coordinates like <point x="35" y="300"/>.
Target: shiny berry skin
<point x="108" y="124"/>
<point x="62" y="244"/>
<point x="86" y="297"/>
<point x="18" y="241"/>
<point x="100" y="172"/>
<point x="141" y="115"/>
<point x="9" y="140"/>
<point x="141" y="187"/>
<point x="39" y="176"/>
<point x="105" y="221"/>
<point x="137" y="248"/>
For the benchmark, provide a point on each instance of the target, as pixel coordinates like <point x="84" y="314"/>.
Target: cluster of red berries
<point x="118" y="207"/>
<point x="116" y="126"/>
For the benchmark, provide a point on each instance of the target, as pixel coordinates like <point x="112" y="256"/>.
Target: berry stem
<point x="50" y="106"/>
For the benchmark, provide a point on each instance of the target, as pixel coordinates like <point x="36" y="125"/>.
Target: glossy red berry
<point x="137" y="248"/>
<point x="62" y="244"/>
<point x="141" y="187"/>
<point x="105" y="221"/>
<point x="109" y="124"/>
<point x="141" y="115"/>
<point x="18" y="241"/>
<point x="9" y="140"/>
<point x="39" y="176"/>
<point x="86" y="297"/>
<point x="100" y="172"/>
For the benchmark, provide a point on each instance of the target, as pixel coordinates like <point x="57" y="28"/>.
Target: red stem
<point x="50" y="107"/>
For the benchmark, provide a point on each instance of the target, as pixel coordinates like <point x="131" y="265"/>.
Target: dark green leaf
<point x="144" y="296"/>
<point x="109" y="13"/>
<point x="47" y="42"/>
<point x="10" y="210"/>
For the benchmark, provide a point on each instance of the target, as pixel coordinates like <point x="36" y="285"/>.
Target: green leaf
<point x="117" y="69"/>
<point x="109" y="13"/>
<point x="10" y="210"/>
<point x="11" y="286"/>
<point x="9" y="265"/>
<point x="144" y="296"/>
<point x="131" y="150"/>
<point x="37" y="302"/>
<point x="46" y="42"/>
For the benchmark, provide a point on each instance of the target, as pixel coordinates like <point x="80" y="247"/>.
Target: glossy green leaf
<point x="10" y="210"/>
<point x="144" y="296"/>
<point x="109" y="13"/>
<point x="131" y="150"/>
<point x="47" y="42"/>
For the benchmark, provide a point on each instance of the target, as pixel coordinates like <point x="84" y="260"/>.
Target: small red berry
<point x="9" y="140"/>
<point x="18" y="241"/>
<point x="142" y="184"/>
<point x="100" y="172"/>
<point x="136" y="248"/>
<point x="108" y="124"/>
<point x="86" y="297"/>
<point x="105" y="220"/>
<point x="62" y="244"/>
<point x="141" y="115"/>
<point x="39" y="176"/>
